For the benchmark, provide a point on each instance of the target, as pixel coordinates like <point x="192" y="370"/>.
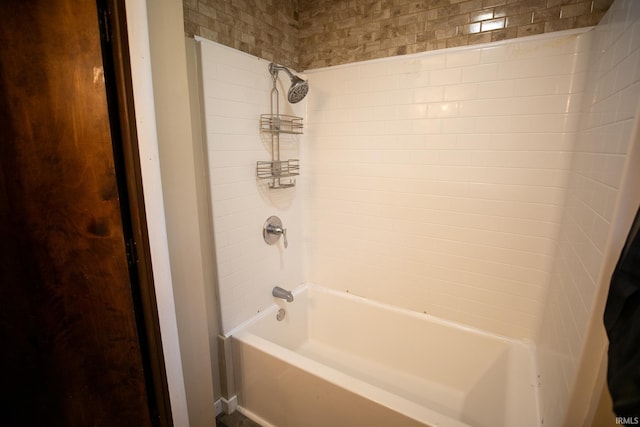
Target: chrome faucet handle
<point x="272" y="230"/>
<point x="278" y="231"/>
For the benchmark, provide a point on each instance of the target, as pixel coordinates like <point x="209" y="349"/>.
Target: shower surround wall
<point x="433" y="182"/>
<point x="236" y="87"/>
<point x="442" y="178"/>
<point x="437" y="182"/>
<point x="610" y="113"/>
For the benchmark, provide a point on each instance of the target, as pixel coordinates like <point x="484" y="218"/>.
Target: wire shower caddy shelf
<point x="280" y="173"/>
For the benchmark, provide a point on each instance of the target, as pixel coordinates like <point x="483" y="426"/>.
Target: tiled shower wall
<point x="434" y="183"/>
<point x="306" y="34"/>
<point x="610" y="110"/>
<point x="236" y="89"/>
<point x="437" y="182"/>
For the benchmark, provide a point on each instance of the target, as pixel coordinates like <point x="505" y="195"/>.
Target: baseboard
<point x="228" y="406"/>
<point x="253" y="417"/>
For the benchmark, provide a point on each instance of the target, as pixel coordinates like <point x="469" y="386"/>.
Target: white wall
<point x="585" y="256"/>
<point x="436" y="181"/>
<point x="154" y="206"/>
<point x="187" y="218"/>
<point x="236" y="89"/>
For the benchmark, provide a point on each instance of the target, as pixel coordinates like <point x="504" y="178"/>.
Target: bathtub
<point x="341" y="360"/>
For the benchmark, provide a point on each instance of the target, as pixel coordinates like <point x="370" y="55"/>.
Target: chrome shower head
<point x="299" y="87"/>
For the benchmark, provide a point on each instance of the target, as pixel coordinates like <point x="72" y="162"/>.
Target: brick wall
<point x="306" y="34"/>
<point x="267" y="29"/>
<point x="339" y="31"/>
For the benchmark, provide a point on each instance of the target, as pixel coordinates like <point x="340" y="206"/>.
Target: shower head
<point x="299" y="87"/>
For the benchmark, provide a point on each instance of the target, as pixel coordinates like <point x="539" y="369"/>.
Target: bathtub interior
<point x="464" y="374"/>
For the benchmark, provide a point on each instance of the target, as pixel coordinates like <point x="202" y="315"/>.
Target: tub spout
<point x="278" y="292"/>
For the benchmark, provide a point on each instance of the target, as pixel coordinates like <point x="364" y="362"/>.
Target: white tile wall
<point x="236" y="88"/>
<point x="610" y="106"/>
<point x="436" y="182"/>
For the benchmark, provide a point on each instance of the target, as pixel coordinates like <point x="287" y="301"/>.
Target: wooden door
<point x="70" y="353"/>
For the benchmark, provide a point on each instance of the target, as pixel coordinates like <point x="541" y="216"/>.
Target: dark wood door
<point x="70" y="354"/>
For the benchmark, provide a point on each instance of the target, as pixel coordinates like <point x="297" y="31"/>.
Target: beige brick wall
<point x="267" y="29"/>
<point x="306" y="34"/>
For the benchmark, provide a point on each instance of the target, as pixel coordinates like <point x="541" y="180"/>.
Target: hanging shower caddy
<point x="280" y="173"/>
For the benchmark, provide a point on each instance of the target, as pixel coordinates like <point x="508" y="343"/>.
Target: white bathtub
<point x="341" y="360"/>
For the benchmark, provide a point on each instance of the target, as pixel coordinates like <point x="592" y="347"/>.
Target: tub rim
<point x="273" y="308"/>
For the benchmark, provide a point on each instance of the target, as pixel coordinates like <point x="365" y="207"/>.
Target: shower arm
<point x="274" y="68"/>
